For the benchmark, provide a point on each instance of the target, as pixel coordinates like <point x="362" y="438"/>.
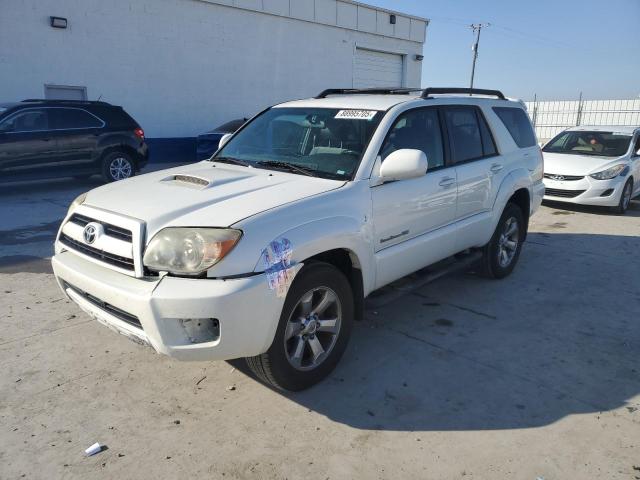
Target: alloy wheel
<point x="120" y="168"/>
<point x="313" y="328"/>
<point x="508" y="242"/>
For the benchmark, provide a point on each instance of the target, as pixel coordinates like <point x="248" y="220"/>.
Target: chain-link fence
<point x="550" y="118"/>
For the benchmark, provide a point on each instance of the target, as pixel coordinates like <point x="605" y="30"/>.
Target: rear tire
<point x="117" y="166"/>
<point x="501" y="254"/>
<point x="314" y="329"/>
<point x="625" y="198"/>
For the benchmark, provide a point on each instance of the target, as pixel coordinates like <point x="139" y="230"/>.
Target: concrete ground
<point x="533" y="377"/>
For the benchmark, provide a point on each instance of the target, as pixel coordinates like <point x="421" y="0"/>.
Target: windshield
<point x="323" y="142"/>
<point x="599" y="144"/>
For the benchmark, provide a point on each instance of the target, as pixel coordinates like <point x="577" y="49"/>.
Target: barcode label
<point x="356" y="114"/>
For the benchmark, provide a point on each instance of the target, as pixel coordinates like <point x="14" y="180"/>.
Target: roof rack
<point x="367" y="91"/>
<point x="43" y="100"/>
<point x="427" y="92"/>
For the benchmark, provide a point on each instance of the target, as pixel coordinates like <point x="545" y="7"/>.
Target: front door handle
<point x="496" y="167"/>
<point x="447" y="182"/>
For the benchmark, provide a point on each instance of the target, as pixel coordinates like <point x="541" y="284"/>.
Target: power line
<point x="477" y="28"/>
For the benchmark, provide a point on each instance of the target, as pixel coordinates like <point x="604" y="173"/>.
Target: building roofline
<point x="412" y="18"/>
<point x="386" y="10"/>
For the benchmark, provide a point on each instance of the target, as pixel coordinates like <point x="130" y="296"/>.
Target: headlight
<point x="610" y="173"/>
<point x="79" y="200"/>
<point x="189" y="251"/>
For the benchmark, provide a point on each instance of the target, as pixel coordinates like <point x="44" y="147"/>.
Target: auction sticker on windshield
<point x="356" y="114"/>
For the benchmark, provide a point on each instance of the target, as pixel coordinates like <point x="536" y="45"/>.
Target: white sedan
<point x="593" y="166"/>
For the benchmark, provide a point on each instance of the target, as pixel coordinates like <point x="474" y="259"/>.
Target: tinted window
<point x="488" y="145"/>
<point x="63" y="118"/>
<point x="464" y="133"/>
<point x="636" y="147"/>
<point x="419" y="130"/>
<point x="232" y="126"/>
<point x="31" y="120"/>
<point x="518" y="124"/>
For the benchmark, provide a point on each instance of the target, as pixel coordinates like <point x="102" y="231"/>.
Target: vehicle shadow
<point x="633" y="211"/>
<point x="559" y="337"/>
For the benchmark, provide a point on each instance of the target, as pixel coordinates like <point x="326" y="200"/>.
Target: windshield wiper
<point x="289" y="166"/>
<point x="232" y="161"/>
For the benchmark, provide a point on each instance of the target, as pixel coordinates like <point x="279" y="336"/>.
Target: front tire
<point x="502" y="252"/>
<point x="314" y="329"/>
<point x="625" y="198"/>
<point x="117" y="166"/>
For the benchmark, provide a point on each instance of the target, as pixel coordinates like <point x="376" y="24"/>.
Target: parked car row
<point x="587" y="165"/>
<point x="42" y="139"/>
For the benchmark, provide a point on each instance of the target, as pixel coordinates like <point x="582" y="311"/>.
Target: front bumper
<point x="594" y="192"/>
<point x="248" y="312"/>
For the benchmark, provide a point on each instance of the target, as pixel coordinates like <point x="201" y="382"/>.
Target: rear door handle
<point x="496" y="167"/>
<point x="447" y="182"/>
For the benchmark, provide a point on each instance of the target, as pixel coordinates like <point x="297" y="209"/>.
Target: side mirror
<point x="225" y="138"/>
<point x="404" y="164"/>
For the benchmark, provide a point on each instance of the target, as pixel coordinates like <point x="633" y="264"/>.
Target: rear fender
<point x="513" y="182"/>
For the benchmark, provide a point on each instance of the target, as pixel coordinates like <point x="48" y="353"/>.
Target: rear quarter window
<point x="518" y="125"/>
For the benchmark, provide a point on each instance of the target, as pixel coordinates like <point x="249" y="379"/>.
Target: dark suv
<point x="63" y="138"/>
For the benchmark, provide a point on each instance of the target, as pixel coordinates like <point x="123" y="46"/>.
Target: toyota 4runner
<point x="268" y="249"/>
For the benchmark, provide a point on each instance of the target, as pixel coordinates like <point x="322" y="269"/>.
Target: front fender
<point x="319" y="236"/>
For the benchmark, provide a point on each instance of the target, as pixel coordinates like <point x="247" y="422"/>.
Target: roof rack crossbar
<point x="367" y="91"/>
<point x="427" y="92"/>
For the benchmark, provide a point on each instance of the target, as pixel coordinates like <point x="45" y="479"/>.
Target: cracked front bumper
<point x="246" y="309"/>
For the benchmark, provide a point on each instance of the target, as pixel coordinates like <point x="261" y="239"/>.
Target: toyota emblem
<point x="90" y="233"/>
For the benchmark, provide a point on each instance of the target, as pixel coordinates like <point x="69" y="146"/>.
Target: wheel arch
<point x="522" y="199"/>
<point x="348" y="263"/>
<point x="516" y="188"/>
<point x="121" y="147"/>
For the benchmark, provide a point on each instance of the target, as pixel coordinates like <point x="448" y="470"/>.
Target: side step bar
<point x="410" y="283"/>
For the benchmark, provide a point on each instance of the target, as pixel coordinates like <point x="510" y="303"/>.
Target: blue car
<point x="207" y="143"/>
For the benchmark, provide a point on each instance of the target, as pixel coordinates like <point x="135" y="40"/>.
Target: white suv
<point x="268" y="249"/>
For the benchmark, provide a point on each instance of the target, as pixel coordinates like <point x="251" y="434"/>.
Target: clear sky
<point x="552" y="48"/>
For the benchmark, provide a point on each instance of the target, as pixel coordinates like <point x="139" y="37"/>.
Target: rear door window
<point x="72" y="118"/>
<point x="518" y="124"/>
<point x="465" y="135"/>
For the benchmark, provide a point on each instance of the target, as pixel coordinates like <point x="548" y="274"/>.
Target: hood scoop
<point x="189" y="181"/>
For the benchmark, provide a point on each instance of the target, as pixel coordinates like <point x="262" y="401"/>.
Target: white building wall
<point x="181" y="67"/>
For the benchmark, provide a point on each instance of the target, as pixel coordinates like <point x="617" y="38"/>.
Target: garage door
<point x="377" y="69"/>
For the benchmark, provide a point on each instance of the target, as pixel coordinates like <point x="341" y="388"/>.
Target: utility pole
<point x="476" y="27"/>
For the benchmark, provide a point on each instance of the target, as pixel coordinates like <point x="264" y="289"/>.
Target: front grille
<point x="562" y="178"/>
<point x="110" y="230"/>
<point x="115" y="311"/>
<point x="110" y="258"/>
<point x="554" y="192"/>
